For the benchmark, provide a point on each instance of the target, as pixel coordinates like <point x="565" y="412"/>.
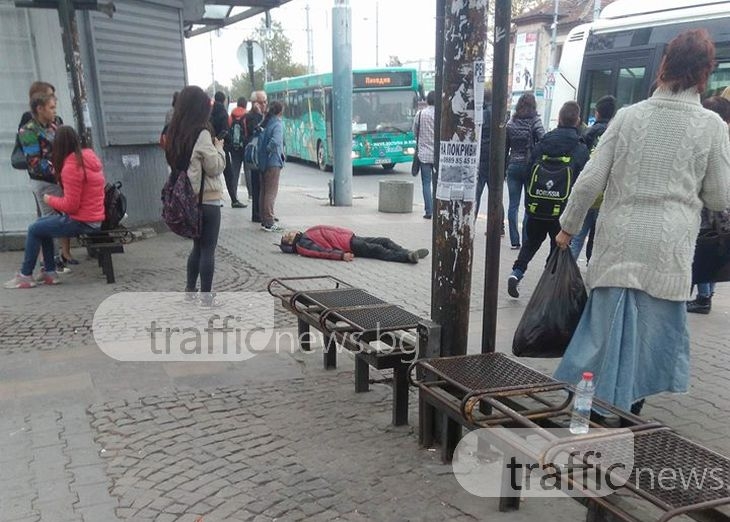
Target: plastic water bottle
<point x="582" y="401"/>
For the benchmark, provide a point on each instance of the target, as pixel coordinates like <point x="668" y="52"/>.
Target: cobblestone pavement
<point x="87" y="438"/>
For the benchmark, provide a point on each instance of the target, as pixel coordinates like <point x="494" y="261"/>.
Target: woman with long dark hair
<point x="81" y="207"/>
<point x="524" y="130"/>
<point x="191" y="147"/>
<point x="658" y="163"/>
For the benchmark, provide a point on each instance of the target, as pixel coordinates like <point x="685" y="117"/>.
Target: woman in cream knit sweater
<point x="190" y="146"/>
<point x="659" y="163"/>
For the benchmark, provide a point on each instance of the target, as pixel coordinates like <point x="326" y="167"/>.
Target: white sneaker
<point x="276" y="227"/>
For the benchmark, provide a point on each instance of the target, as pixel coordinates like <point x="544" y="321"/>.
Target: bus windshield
<point x="383" y="111"/>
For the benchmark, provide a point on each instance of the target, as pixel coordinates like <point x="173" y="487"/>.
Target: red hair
<point x="688" y="61"/>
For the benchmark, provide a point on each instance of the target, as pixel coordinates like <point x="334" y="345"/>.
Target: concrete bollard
<point x="395" y="196"/>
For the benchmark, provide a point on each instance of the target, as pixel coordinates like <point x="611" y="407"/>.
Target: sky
<point x="406" y="29"/>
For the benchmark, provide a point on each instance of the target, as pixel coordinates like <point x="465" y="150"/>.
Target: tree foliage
<point x="277" y="48"/>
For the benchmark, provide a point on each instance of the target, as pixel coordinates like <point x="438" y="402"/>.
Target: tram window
<point x="629" y="89"/>
<point x="719" y="79"/>
<point x="598" y="84"/>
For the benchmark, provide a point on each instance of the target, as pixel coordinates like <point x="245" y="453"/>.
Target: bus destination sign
<point x="375" y="80"/>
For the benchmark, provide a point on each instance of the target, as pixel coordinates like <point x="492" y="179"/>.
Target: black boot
<point x="701" y="305"/>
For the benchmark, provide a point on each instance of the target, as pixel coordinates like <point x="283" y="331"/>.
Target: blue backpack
<point x="251" y="151"/>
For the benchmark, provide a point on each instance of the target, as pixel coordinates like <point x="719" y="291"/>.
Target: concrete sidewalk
<point x="85" y="437"/>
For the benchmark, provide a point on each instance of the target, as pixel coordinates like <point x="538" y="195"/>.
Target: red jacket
<point x="83" y="194"/>
<point x="325" y="242"/>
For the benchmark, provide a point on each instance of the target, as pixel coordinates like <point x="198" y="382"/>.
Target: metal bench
<point x="495" y="391"/>
<point x="380" y="334"/>
<point x="102" y="244"/>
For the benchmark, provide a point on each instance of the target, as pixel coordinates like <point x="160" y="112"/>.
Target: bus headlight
<point x="355" y="154"/>
<point x="411" y="150"/>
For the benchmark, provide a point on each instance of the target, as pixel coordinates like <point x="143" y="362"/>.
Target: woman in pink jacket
<point x="81" y="207"/>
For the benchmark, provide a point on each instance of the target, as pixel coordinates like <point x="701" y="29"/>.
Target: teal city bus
<point x="383" y="107"/>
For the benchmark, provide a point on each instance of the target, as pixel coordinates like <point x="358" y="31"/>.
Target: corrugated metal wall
<point x="138" y="57"/>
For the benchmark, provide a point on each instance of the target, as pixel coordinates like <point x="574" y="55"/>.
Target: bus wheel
<point x="388" y="167"/>
<point x="321" y="160"/>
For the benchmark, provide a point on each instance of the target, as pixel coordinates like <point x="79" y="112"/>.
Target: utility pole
<point x="212" y="63"/>
<point x="550" y="80"/>
<point x="596" y="9"/>
<point x="495" y="219"/>
<point x="342" y="102"/>
<point x="377" y="36"/>
<point x="465" y="27"/>
<point x="310" y="52"/>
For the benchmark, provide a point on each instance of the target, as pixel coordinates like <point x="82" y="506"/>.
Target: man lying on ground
<point x="339" y="243"/>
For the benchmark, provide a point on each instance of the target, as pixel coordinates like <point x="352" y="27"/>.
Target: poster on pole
<point x="458" y="165"/>
<point x="523" y="69"/>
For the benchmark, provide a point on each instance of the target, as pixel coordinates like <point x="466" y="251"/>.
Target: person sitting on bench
<point x="81" y="207"/>
<point x="339" y="243"/>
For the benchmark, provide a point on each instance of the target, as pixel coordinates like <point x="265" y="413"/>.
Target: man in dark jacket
<point x="605" y="109"/>
<point x="339" y="243"/>
<point x="563" y="142"/>
<point x="253" y="119"/>
<point x="219" y="121"/>
<point x="484" y="149"/>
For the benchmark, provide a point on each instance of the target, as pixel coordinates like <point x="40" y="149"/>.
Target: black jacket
<point x="592" y="133"/>
<point x="219" y="118"/>
<point x="486" y="142"/>
<point x="563" y="141"/>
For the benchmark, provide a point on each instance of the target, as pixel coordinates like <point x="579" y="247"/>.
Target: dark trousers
<point x="483" y="181"/>
<point x="537" y="230"/>
<point x="379" y="248"/>
<point x="267" y="198"/>
<point x="255" y="196"/>
<point x="201" y="261"/>
<point x="231" y="178"/>
<point x="236" y="163"/>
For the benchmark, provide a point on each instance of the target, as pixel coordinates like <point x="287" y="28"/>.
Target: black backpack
<point x="237" y="134"/>
<point x="549" y="186"/>
<point x="115" y="206"/>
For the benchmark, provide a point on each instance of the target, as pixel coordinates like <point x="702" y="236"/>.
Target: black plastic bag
<point x="554" y="310"/>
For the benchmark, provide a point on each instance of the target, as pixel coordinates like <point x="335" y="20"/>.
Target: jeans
<point x="426" y="175"/>
<point x="201" y="261"/>
<point x="41" y="234"/>
<point x="517" y="177"/>
<point x="537" y="230"/>
<point x="255" y="195"/>
<point x="379" y="248"/>
<point x="705" y="289"/>
<point x="576" y="243"/>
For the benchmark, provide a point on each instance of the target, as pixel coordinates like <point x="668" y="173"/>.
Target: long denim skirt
<point x="636" y="345"/>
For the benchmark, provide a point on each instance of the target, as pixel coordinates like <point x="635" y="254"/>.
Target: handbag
<point x="17" y="157"/>
<point x="416" y="164"/>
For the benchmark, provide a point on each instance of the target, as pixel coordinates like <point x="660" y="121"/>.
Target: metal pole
<point x="251" y="73"/>
<point x="495" y="219"/>
<point x="552" y="64"/>
<point x="310" y="57"/>
<point x="72" y="55"/>
<point x="465" y="25"/>
<point x="377" y="36"/>
<point x="342" y="102"/>
<point x="596" y="10"/>
<point x="212" y="64"/>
